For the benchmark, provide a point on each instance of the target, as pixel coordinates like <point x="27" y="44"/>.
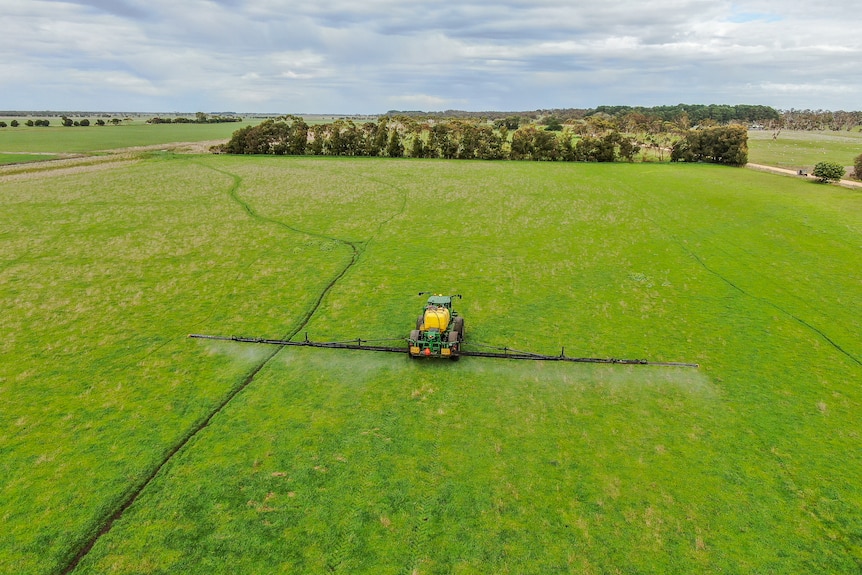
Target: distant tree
<point x="522" y="143"/>
<point x="553" y="124"/>
<point x="85" y="122"/>
<point x="511" y="123"/>
<point x="546" y="146"/>
<point x="100" y="122"/>
<point x="29" y="123"/>
<point x="115" y="121"/>
<point x="200" y="118"/>
<point x="726" y="145"/>
<point x="2" y="124"/>
<point x="67" y="121"/>
<point x="857" y="165"/>
<point x="317" y="137"/>
<point x="14" y="123"/>
<point x="417" y="149"/>
<point x="828" y="171"/>
<point x="394" y="149"/>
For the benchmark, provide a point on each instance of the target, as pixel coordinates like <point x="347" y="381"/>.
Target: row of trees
<point x="43" y="123"/>
<point x="462" y="139"/>
<point x="726" y="145"/>
<point x="200" y="118"/>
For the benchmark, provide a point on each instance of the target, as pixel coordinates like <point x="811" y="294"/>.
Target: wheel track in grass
<point x="357" y="248"/>
<point x="819" y="332"/>
<point x="829" y="528"/>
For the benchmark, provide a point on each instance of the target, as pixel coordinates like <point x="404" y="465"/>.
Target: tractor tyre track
<point x="828" y="527"/>
<point x="133" y="494"/>
<point x="820" y="333"/>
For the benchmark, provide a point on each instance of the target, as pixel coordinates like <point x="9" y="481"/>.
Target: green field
<point x="19" y="158"/>
<point x="797" y="149"/>
<point x="59" y="139"/>
<point x="236" y="458"/>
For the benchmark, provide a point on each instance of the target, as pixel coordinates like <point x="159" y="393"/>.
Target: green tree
<point x="14" y="123"/>
<point x="828" y="171"/>
<point x="726" y="145"/>
<point x="553" y="124"/>
<point x="2" y="124"/>
<point x="394" y="149"/>
<point x="857" y="165"/>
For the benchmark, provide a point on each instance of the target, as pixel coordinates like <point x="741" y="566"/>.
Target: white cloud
<point x="340" y="55"/>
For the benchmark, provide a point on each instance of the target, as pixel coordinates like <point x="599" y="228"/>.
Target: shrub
<point x="827" y="171"/>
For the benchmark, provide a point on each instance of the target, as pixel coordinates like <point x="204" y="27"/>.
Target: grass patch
<point x="803" y="149"/>
<point x="356" y="462"/>
<point x="59" y="139"/>
<point x="24" y="158"/>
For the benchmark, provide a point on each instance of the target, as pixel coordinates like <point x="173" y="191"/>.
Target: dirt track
<point x="80" y="163"/>
<point x="787" y="172"/>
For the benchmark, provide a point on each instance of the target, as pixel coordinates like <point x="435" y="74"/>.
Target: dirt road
<point x="787" y="172"/>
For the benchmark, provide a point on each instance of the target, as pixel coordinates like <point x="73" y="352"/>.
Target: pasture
<point x="170" y="455"/>
<point x="798" y="149"/>
<point x="57" y="139"/>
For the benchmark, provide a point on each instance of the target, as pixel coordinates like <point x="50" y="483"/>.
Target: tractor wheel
<point x="458" y="325"/>
<point x="454" y="337"/>
<point x="419" y="322"/>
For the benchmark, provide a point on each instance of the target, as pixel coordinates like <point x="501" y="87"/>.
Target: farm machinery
<point x="439" y="333"/>
<point x="439" y="330"/>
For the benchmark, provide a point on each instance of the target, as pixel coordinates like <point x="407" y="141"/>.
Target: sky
<point x="372" y="56"/>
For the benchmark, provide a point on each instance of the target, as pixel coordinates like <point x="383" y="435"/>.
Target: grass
<point x="24" y="158"/>
<point x="803" y="149"/>
<point x="59" y="139"/>
<point x="357" y="462"/>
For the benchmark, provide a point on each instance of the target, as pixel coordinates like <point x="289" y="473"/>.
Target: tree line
<point x="200" y="118"/>
<point x="474" y="140"/>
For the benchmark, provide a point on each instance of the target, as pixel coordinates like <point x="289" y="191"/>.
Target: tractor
<point x="439" y="330"/>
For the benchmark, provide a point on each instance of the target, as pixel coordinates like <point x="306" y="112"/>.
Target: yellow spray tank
<point x="436" y="317"/>
<point x="439" y="330"/>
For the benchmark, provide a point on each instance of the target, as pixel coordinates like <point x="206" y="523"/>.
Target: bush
<point x="827" y="171"/>
<point x="857" y="167"/>
<point x="726" y="145"/>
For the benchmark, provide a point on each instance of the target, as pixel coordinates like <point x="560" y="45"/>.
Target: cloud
<point x="338" y="55"/>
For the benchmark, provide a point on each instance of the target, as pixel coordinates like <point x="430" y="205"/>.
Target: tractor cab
<point x="439" y="301"/>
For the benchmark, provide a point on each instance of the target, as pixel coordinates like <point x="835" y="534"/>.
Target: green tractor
<point x="439" y="330"/>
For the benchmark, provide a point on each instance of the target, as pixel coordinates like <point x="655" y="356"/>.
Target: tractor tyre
<point x="420" y="321"/>
<point x="458" y="325"/>
<point x="454" y="337"/>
